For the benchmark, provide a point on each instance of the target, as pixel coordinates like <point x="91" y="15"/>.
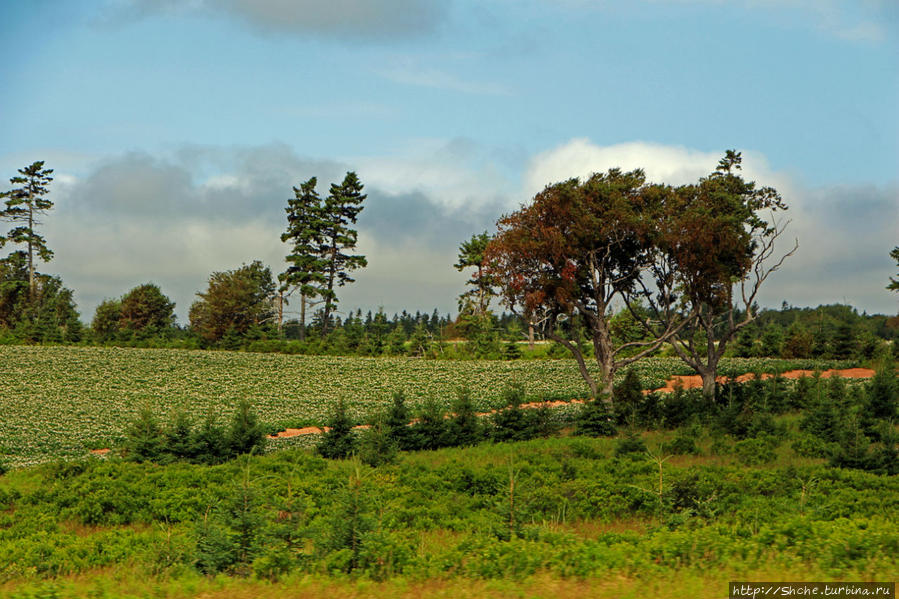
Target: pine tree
<point x="306" y="270"/>
<point x="23" y="205"/>
<point x="341" y="208"/>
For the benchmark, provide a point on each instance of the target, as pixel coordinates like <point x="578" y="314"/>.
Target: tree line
<point x="610" y="269"/>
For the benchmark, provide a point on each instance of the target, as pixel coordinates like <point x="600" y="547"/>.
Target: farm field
<point x="60" y="402"/>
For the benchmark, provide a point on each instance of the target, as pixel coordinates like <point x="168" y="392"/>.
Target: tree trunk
<point x="331" y="273"/>
<point x="280" y="312"/>
<point x="302" y="317"/>
<point x="531" y="336"/>
<point x="709" y="385"/>
<point x="31" y="289"/>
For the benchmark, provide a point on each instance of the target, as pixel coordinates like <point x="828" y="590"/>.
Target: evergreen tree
<point x="341" y="209"/>
<point x="24" y="204"/>
<point x="245" y="434"/>
<point x="397" y="422"/>
<point x="339" y="441"/>
<point x="464" y="427"/>
<point x="306" y="266"/>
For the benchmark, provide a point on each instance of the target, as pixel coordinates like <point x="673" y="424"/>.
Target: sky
<point x="177" y="128"/>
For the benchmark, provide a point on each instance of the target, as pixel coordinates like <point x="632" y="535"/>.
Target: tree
<point x="46" y="314"/>
<point x="235" y="301"/>
<point x="106" y="319"/>
<point x="471" y="255"/>
<point x="23" y="205"/>
<point x="306" y="266"/>
<point x="145" y="308"/>
<point x="572" y="251"/>
<point x="341" y="208"/>
<point x="894" y="283"/>
<point x="721" y="247"/>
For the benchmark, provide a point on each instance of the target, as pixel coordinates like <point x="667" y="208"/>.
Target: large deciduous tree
<point x="574" y="250"/>
<point x="306" y="266"/>
<point x="235" y="300"/>
<point x="23" y="205"/>
<point x="146" y="308"/>
<point x="719" y="235"/>
<point x="338" y="238"/>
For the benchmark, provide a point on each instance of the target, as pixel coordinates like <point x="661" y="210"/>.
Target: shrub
<point x="245" y="434"/>
<point x="338" y="442"/>
<point x="628" y="398"/>
<point x="144" y="440"/>
<point x="753" y="452"/>
<point x="397" y="422"/>
<point x="376" y="446"/>
<point x="464" y="427"/>
<point x="430" y="432"/>
<point x="630" y="445"/>
<point x="883" y="391"/>
<point x="179" y="437"/>
<point x="595" y="419"/>
<point x="510" y="423"/>
<point x="210" y="445"/>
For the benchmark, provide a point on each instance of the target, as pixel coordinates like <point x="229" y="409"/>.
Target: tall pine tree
<point x="23" y="205"/>
<point x="341" y="208"/>
<point x="306" y="267"/>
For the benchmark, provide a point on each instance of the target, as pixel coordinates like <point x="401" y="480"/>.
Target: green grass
<point x="63" y="401"/>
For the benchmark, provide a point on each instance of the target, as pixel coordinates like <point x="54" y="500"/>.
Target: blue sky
<point x="177" y="128"/>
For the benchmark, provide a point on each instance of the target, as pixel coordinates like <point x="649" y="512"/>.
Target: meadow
<point x="61" y="402"/>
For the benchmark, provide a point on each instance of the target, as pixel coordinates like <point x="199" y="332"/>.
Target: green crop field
<point x="63" y="401"/>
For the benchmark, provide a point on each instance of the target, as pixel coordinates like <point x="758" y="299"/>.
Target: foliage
<point x="340" y="210"/>
<point x="24" y="204"/>
<point x="338" y="442"/>
<point x="595" y="419"/>
<point x="146" y="309"/>
<point x="472" y="254"/>
<point x="577" y="247"/>
<point x="234" y="302"/>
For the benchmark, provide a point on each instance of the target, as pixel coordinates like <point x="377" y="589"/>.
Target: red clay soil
<point x="694" y="381"/>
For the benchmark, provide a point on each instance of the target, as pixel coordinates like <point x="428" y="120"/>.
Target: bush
<point x="595" y="419"/>
<point x="753" y="452"/>
<point x="377" y="447"/>
<point x="628" y="398"/>
<point x="430" y="432"/>
<point x="144" y="440"/>
<point x="210" y="444"/>
<point x="245" y="434"/>
<point x="397" y="422"/>
<point x="338" y="442"/>
<point x="630" y="445"/>
<point x="464" y="427"/>
<point x="510" y="423"/>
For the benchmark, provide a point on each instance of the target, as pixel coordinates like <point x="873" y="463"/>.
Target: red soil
<point x="694" y="381"/>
